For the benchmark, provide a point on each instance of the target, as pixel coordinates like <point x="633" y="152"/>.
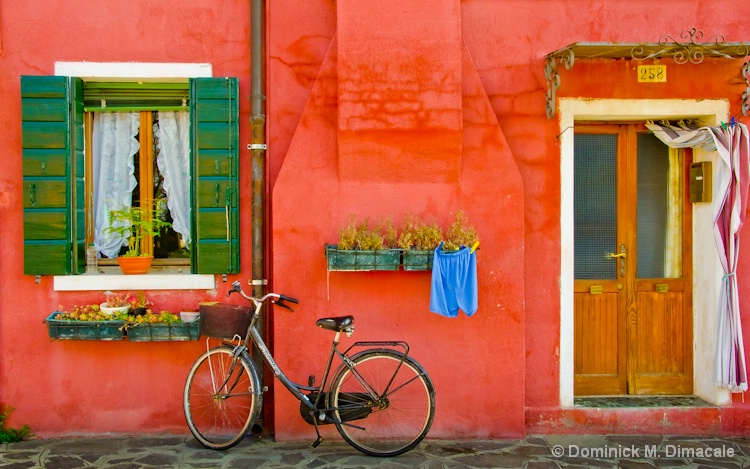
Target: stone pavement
<point x="533" y="452"/>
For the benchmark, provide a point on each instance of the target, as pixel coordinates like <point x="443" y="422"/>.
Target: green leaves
<point x="12" y="435"/>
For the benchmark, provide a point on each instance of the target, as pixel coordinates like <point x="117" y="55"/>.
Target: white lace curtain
<point x="114" y="147"/>
<point x="174" y="164"/>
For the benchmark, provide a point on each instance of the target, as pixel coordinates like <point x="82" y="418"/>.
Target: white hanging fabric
<point x="113" y="147"/>
<point x="732" y="176"/>
<point x="173" y="134"/>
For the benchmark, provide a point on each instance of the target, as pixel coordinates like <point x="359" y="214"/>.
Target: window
<point x="59" y="161"/>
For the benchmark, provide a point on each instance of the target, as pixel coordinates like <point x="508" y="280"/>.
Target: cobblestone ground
<point x="534" y="452"/>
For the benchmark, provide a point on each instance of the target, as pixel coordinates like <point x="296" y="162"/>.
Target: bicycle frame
<point x="253" y="336"/>
<point x="376" y="385"/>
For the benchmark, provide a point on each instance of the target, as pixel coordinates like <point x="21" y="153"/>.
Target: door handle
<point x="620" y="255"/>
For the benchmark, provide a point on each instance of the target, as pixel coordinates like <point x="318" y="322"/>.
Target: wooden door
<point x="633" y="299"/>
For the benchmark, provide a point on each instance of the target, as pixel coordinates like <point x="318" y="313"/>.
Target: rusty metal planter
<point x="64" y="329"/>
<point x="164" y="331"/>
<point x="358" y="260"/>
<point x="415" y="259"/>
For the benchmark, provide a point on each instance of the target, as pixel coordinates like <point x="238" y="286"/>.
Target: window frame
<point x="221" y="91"/>
<point x="147" y="157"/>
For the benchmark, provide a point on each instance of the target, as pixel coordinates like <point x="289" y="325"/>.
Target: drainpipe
<point x="258" y="163"/>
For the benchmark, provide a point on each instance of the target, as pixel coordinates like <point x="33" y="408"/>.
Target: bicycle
<point x="380" y="399"/>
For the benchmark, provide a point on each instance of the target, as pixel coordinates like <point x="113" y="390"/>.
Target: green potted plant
<point x="136" y="224"/>
<point x="364" y="248"/>
<point x="139" y="304"/>
<point x="115" y="303"/>
<point x="419" y="240"/>
<point x="87" y="322"/>
<point x="460" y="233"/>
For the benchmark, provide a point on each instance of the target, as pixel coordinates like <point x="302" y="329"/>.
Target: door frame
<point x="706" y="265"/>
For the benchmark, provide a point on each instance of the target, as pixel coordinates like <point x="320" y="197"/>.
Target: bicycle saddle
<point x="337" y="324"/>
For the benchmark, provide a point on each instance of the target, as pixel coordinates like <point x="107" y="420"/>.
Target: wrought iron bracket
<point x="689" y="49"/>
<point x="566" y="58"/>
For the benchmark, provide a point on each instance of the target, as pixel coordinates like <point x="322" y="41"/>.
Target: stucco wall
<point x="504" y="359"/>
<point x="70" y="387"/>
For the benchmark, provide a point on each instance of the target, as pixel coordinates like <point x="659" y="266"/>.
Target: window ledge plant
<point x="137" y="224"/>
<point x="89" y="322"/>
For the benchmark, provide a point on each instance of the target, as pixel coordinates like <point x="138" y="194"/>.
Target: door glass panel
<point x="659" y="221"/>
<point x="595" y="205"/>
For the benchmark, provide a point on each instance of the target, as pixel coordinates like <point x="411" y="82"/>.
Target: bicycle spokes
<point x="392" y="398"/>
<point x="221" y="398"/>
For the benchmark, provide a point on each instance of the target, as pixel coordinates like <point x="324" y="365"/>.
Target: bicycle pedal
<point x="317" y="442"/>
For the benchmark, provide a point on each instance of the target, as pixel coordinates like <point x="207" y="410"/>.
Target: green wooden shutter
<point x="53" y="185"/>
<point x="214" y="114"/>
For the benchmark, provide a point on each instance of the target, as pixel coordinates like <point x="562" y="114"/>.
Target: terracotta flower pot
<point x="135" y="265"/>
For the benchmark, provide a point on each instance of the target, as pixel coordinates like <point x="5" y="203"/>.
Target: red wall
<point x="66" y="387"/>
<point x="497" y="159"/>
<point x="323" y="182"/>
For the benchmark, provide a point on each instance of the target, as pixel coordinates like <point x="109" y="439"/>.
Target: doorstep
<point x="640" y="401"/>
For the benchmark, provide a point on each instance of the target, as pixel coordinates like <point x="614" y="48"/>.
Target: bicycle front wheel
<point x="385" y="401"/>
<point x="221" y="398"/>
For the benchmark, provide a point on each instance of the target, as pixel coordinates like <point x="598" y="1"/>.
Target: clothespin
<point x="474" y="247"/>
<point x="723" y="125"/>
<point x="732" y="121"/>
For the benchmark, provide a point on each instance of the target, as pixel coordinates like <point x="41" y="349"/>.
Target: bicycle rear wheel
<point x="401" y="412"/>
<point x="221" y="398"/>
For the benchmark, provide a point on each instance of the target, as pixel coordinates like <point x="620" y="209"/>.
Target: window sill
<point x="158" y="278"/>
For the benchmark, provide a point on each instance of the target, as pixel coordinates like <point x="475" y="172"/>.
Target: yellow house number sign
<point x="652" y="73"/>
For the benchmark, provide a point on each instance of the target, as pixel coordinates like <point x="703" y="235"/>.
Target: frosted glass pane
<point x="595" y="205"/>
<point x="659" y="222"/>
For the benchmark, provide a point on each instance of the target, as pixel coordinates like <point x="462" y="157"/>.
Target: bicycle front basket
<point x="223" y="320"/>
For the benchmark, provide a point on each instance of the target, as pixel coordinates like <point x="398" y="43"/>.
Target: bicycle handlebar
<point x="276" y="298"/>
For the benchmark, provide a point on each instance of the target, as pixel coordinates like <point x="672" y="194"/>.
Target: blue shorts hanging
<point x="454" y="282"/>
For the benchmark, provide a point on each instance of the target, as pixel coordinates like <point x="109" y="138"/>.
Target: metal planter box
<point x="418" y="259"/>
<point x="350" y="260"/>
<point x="162" y="332"/>
<point x="63" y="329"/>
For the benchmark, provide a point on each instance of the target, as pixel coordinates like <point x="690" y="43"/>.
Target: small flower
<point x="116" y="300"/>
<point x="140" y="301"/>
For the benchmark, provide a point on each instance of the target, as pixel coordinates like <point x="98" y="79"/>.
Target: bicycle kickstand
<point x="319" y="440"/>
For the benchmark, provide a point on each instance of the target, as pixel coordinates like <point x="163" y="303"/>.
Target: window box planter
<point x="63" y="329"/>
<point x="163" y="331"/>
<point x="415" y="259"/>
<point x="359" y="260"/>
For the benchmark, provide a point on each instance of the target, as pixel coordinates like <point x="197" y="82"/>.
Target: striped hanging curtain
<point x="729" y="207"/>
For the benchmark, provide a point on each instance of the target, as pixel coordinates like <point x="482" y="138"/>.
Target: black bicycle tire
<point x="254" y="410"/>
<point x="421" y="375"/>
